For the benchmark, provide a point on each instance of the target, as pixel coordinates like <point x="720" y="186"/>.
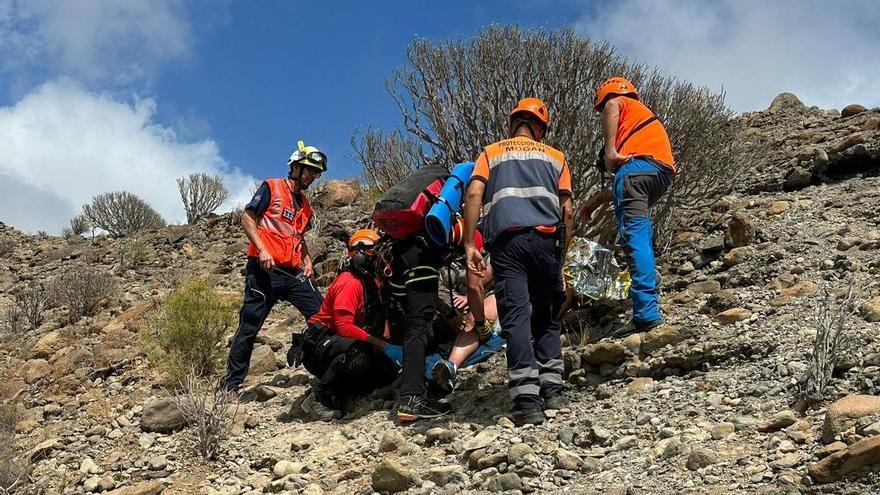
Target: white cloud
<point x="110" y="41"/>
<point x="824" y="52"/>
<point x="63" y="144"/>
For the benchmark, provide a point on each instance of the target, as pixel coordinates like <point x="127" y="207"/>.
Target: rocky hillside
<point x="707" y="405"/>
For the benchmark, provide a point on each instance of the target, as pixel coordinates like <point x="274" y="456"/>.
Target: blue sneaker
<point x="443" y="376"/>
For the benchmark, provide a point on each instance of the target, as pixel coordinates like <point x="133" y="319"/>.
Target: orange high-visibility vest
<point x="640" y="133"/>
<point x="282" y="225"/>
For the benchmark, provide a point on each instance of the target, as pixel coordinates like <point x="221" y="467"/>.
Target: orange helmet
<point x="534" y="107"/>
<point x="363" y="238"/>
<point x="616" y="86"/>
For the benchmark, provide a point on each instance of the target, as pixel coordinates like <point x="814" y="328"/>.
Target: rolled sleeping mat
<point x="439" y="220"/>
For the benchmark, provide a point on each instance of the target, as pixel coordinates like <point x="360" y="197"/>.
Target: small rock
<point x="162" y="416"/>
<point x="505" y="482"/>
<point x="780" y="420"/>
<point x="705" y="287"/>
<point x="667" y="447"/>
<point x="34" y="369"/>
<point x="778" y="207"/>
<point x="284" y="468"/>
<point x="391" y="476"/>
<point x="442" y="475"/>
<point x="518" y="452"/>
<point x="438" y="436"/>
<point x="604" y="353"/>
<point x="481" y="440"/>
<point x="568" y="460"/>
<point x="740" y="230"/>
<point x="391" y="441"/>
<point x="733" y="315"/>
<point x="700" y="458"/>
<point x="870" y="309"/>
<point x="722" y="430"/>
<point x="800" y="289"/>
<point x="830" y="449"/>
<point x="640" y="385"/>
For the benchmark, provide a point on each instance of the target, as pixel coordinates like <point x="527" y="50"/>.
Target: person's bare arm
<point x="472" y="204"/>
<point x="610" y="119"/>
<point x="566" y="209"/>
<point x="249" y="224"/>
<point x="306" y="258"/>
<point x="597" y="200"/>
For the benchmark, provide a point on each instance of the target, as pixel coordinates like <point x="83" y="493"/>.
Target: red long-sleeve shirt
<point x="342" y="311"/>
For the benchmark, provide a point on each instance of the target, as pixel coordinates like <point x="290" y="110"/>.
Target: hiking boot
<point x="635" y="327"/>
<point x="555" y="402"/>
<point x="521" y="417"/>
<point x="443" y="376"/>
<point x="315" y="410"/>
<point x="413" y="407"/>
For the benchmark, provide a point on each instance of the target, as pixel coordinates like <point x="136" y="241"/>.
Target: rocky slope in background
<point x="705" y="406"/>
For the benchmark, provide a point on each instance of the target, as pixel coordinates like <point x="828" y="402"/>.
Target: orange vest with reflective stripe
<point x="282" y="225"/>
<point x="640" y="133"/>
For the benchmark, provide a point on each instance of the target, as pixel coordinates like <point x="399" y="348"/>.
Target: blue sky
<point x="99" y="95"/>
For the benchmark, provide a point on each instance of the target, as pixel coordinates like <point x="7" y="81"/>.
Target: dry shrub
<point x="132" y="255"/>
<point x="831" y="340"/>
<point x="209" y="411"/>
<point x="201" y="194"/>
<point x="14" y="467"/>
<point x="454" y="97"/>
<point x="7" y="246"/>
<point x="122" y="214"/>
<point x="79" y="225"/>
<point x="82" y="290"/>
<point x="32" y="302"/>
<point x="188" y="330"/>
<point x="12" y="323"/>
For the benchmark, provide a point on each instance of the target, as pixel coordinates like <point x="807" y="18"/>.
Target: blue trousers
<point x="638" y="185"/>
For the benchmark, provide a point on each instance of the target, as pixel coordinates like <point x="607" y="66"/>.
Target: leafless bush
<point x="82" y="290"/>
<point x="14" y="468"/>
<point x="201" y="194"/>
<point x="209" y="411"/>
<point x="122" y="214"/>
<point x="831" y="340"/>
<point x="31" y="301"/>
<point x="454" y="97"/>
<point x="79" y="225"/>
<point x="387" y="158"/>
<point x="12" y="323"/>
<point x="133" y="255"/>
<point x="7" y="245"/>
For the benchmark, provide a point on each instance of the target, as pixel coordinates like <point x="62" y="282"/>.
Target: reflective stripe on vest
<point x="282" y="225"/>
<point x="640" y="133"/>
<point x="523" y="186"/>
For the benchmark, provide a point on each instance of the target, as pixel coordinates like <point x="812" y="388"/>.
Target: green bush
<point x="187" y="331"/>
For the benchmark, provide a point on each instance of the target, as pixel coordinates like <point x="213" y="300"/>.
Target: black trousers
<point x="413" y="288"/>
<point x="528" y="286"/>
<point x="261" y="291"/>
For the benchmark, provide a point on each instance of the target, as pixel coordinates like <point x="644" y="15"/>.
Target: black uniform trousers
<point x="262" y="290"/>
<point x="528" y="268"/>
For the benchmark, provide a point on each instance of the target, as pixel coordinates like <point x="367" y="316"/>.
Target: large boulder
<point x="35" y="369"/>
<point x="162" y="416"/>
<point x="786" y="102"/>
<point x="858" y="455"/>
<point x="846" y="412"/>
<point x="852" y="109"/>
<point x="336" y="193"/>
